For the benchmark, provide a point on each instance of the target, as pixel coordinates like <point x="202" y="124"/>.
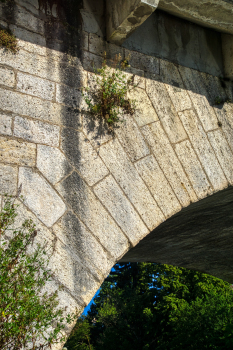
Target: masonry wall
<point x="92" y="196"/>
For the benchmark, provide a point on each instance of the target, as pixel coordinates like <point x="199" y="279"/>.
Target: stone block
<point x="193" y="169"/>
<point x="199" y="96"/>
<point x="131" y="183"/>
<point x="86" y="206"/>
<point x="40" y="197"/>
<point x="73" y="233"/>
<point x="17" y="152"/>
<point x="144" y="62"/>
<point x="70" y="97"/>
<point x="124" y="16"/>
<point x="8" y="179"/>
<point x="5" y="124"/>
<point x="29" y="41"/>
<point x="121" y="209"/>
<point x="169" y="163"/>
<point x="203" y="149"/>
<point x="91" y="62"/>
<point x="225" y="117"/>
<point x="223" y="152"/>
<point x="102" y="48"/>
<point x="35" y="86"/>
<point x="52" y="163"/>
<point x="36" y="131"/>
<point x="40" y="109"/>
<point x="145" y="112"/>
<point x="7" y="77"/>
<point x="227" y="50"/>
<point x="95" y="130"/>
<point x="158" y="185"/>
<point x="131" y="139"/>
<point x="175" y="87"/>
<point x="166" y="112"/>
<point x="27" y="20"/>
<point x="83" y="156"/>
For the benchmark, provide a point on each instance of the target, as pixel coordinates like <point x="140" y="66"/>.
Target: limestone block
<point x="5" y="124"/>
<point x="124" y="16"/>
<point x="82" y="155"/>
<point x="158" y="185"/>
<point x="91" y="61"/>
<point x="27" y="20"/>
<point x="102" y="48"/>
<point x="17" y="152"/>
<point x="8" y="179"/>
<point x="121" y="209"/>
<point x="193" y="169"/>
<point x="203" y="149"/>
<point x="7" y="77"/>
<point x="175" y="87"/>
<point x="131" y="183"/>
<point x="41" y="109"/>
<point x="33" y="63"/>
<point x="36" y="131"/>
<point x="85" y="41"/>
<point x="169" y="163"/>
<point x="145" y="112"/>
<point x="166" y="112"/>
<point x="52" y="163"/>
<point x="86" y="206"/>
<point x="131" y="139"/>
<point x="227" y="48"/>
<point x="95" y="130"/>
<point x="35" y="86"/>
<point x="223" y="153"/>
<point x="73" y="233"/>
<point x="29" y="41"/>
<point x="225" y="117"/>
<point x="70" y="97"/>
<point x="199" y="96"/>
<point x="144" y="62"/>
<point x="40" y="197"/>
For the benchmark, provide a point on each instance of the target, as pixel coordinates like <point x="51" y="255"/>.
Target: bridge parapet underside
<point x="164" y="180"/>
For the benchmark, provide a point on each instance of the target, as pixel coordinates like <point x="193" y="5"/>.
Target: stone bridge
<point x="161" y="189"/>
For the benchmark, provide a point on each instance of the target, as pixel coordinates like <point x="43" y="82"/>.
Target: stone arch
<point x="94" y="197"/>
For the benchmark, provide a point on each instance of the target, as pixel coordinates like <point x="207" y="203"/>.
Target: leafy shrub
<point x="28" y="315"/>
<point x="107" y="98"/>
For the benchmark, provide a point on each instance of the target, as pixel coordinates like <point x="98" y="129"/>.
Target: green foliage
<point x="8" y="40"/>
<point x="28" y="315"/>
<point x="107" y="98"/>
<point x="145" y="306"/>
<point x="80" y="336"/>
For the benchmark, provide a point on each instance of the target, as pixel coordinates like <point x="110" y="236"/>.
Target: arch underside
<point x="199" y="237"/>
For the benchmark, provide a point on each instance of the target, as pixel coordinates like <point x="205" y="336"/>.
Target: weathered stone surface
<point x="36" y="131"/>
<point x="144" y="62"/>
<point x="131" y="139"/>
<point x="199" y="96"/>
<point x="84" y="203"/>
<point x="101" y="48"/>
<point x="91" y="61"/>
<point x="40" y="197"/>
<point x="124" y="16"/>
<point x="227" y="48"/>
<point x="166" y="112"/>
<point x="81" y="154"/>
<point x="193" y="169"/>
<point x="203" y="149"/>
<point x="17" y="152"/>
<point x="158" y="185"/>
<point x="121" y="209"/>
<point x="7" y="77"/>
<point x="128" y="178"/>
<point x="70" y="97"/>
<point x="95" y="130"/>
<point x="8" y="179"/>
<point x="169" y="163"/>
<point x="225" y="117"/>
<point x="41" y="109"/>
<point x="35" y="86"/>
<point x="52" y="163"/>
<point x="175" y="87"/>
<point x="5" y="124"/>
<point x="223" y="153"/>
<point x="73" y="233"/>
<point x="145" y="112"/>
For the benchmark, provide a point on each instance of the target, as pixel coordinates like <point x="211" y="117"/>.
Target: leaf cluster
<point x="8" y="40"/>
<point x="107" y="98"/>
<point x="28" y="315"/>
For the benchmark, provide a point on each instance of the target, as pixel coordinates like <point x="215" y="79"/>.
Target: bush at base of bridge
<point x="26" y="312"/>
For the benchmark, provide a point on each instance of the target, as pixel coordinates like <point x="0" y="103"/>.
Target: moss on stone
<point x="8" y="40"/>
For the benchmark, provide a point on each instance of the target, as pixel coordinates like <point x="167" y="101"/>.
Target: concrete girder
<point x="124" y="16"/>
<point x="227" y="49"/>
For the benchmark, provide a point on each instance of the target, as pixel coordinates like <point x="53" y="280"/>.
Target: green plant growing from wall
<point x="8" y="40"/>
<point x="107" y="97"/>
<point x="29" y="316"/>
